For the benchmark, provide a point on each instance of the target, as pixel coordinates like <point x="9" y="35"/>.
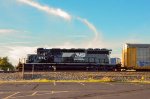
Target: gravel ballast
<point x="77" y="75"/>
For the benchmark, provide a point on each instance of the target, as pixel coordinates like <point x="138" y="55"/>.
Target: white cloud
<point x="78" y="36"/>
<point x="14" y="43"/>
<point x="16" y="52"/>
<point x="8" y="31"/>
<point x="54" y="11"/>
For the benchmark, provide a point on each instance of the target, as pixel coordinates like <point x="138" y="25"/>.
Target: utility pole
<point x="32" y="70"/>
<point x="23" y="68"/>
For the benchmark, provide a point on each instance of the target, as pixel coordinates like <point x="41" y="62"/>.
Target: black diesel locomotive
<point x="69" y="59"/>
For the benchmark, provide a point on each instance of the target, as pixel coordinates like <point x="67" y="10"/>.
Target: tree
<point x="5" y="64"/>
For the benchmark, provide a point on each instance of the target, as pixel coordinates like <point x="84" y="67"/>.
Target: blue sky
<point x="28" y="24"/>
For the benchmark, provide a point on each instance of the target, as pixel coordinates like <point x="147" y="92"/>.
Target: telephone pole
<point x="23" y="68"/>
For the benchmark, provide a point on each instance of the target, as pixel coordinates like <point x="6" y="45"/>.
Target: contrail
<point x="65" y="15"/>
<point x="49" y="10"/>
<point x="91" y="27"/>
<point x="21" y="51"/>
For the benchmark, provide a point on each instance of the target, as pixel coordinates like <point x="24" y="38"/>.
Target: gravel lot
<point x="77" y="75"/>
